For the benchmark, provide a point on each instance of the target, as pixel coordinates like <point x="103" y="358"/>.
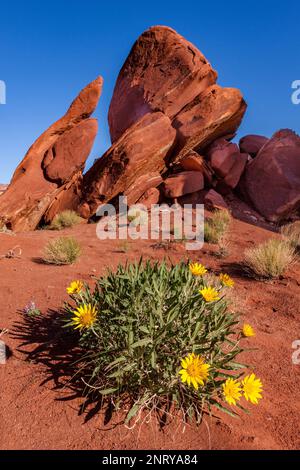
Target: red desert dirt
<point x="172" y="130"/>
<point x="37" y="409"/>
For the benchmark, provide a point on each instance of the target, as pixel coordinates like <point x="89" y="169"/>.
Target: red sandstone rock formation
<point x="142" y="150"/>
<point x="272" y="179"/>
<point x="183" y="183"/>
<point x="163" y="72"/>
<point x="213" y="114"/>
<point x="252" y="144"/>
<point x="214" y="200"/>
<point x="51" y="163"/>
<point x="227" y="162"/>
<point x="3" y="188"/>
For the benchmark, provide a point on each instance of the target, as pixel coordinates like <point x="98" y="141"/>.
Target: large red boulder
<point x="183" y="183"/>
<point x="52" y="162"/>
<point x="214" y="200"/>
<point x="227" y="162"/>
<point x="214" y="113"/>
<point x="163" y="72"/>
<point x="142" y="150"/>
<point x="252" y="144"/>
<point x="141" y="185"/>
<point x="272" y="180"/>
<point x="192" y="161"/>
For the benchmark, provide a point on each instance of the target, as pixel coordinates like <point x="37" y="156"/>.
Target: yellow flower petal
<point x="194" y="371"/>
<point x="226" y="280"/>
<point x="252" y="388"/>
<point x="248" y="331"/>
<point x="209" y="294"/>
<point x="85" y="316"/>
<point x="232" y="391"/>
<point x="75" y="287"/>
<point x="197" y="269"/>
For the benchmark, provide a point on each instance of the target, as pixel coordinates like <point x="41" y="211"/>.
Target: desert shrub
<point x="65" y="219"/>
<point x="291" y="232"/>
<point x="156" y="338"/>
<point x="270" y="259"/>
<point x="62" y="250"/>
<point x="216" y="226"/>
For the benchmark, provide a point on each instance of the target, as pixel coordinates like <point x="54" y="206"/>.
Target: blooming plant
<point x="31" y="310"/>
<point x="157" y="337"/>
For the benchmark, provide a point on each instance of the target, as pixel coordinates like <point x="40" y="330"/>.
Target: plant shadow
<point x="44" y="341"/>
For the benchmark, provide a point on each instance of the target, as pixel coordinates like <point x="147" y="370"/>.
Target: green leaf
<point x="224" y="409"/>
<point x="108" y="391"/>
<point x="141" y="342"/>
<point x="132" y="412"/>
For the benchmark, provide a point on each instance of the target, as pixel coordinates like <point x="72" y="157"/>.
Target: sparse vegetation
<point x="216" y="226"/>
<point x="124" y="246"/>
<point x="223" y="248"/>
<point x="270" y="259"/>
<point x="31" y="309"/>
<point x="153" y="337"/>
<point x="62" y="250"/>
<point x="4" y="229"/>
<point x="291" y="232"/>
<point x="65" y="219"/>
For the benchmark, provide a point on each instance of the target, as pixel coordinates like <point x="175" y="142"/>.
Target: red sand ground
<point x="33" y="416"/>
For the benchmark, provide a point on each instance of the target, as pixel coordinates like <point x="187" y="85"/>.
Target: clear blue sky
<point x="49" y="50"/>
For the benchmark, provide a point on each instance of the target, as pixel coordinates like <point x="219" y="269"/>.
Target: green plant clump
<point x="140" y="325"/>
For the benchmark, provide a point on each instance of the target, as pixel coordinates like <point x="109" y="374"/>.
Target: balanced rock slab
<point x="212" y="114"/>
<point x="163" y="72"/>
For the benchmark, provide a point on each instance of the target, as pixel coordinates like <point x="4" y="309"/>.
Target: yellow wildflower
<point x="75" y="287"/>
<point x="209" y="294"/>
<point x="252" y="388"/>
<point x="232" y="391"/>
<point x="194" y="370"/>
<point x="248" y="331"/>
<point x="226" y="280"/>
<point x="85" y="316"/>
<point x="197" y="269"/>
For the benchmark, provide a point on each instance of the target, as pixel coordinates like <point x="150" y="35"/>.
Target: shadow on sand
<point x="43" y="341"/>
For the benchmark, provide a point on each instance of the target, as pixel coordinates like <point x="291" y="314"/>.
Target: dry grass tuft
<point x="216" y="226"/>
<point x="65" y="219"/>
<point x="291" y="232"/>
<point x="269" y="260"/>
<point x="63" y="250"/>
